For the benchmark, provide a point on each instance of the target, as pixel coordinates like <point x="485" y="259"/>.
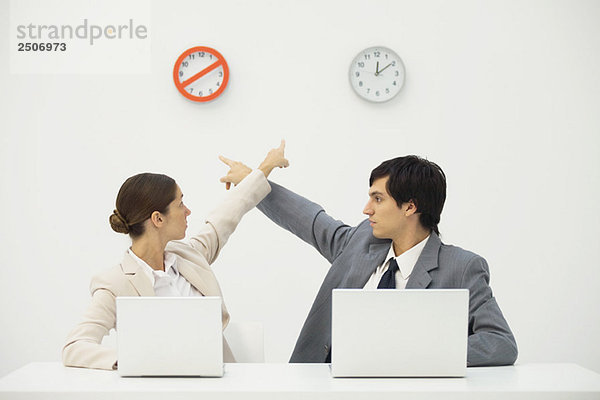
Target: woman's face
<point x="176" y="217"/>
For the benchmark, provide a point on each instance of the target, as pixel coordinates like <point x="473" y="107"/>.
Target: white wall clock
<point x="377" y="74"/>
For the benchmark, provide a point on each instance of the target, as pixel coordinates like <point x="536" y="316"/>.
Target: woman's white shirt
<point x="167" y="283"/>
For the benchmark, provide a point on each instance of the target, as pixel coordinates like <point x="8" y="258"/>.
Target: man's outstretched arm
<point x="307" y="220"/>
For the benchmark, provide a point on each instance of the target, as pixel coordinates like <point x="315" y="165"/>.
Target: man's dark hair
<point x="414" y="178"/>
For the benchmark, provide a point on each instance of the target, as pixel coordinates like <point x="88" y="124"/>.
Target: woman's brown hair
<point x="139" y="196"/>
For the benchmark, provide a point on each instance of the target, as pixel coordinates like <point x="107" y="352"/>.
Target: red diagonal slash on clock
<point x="218" y="63"/>
<point x="201" y="73"/>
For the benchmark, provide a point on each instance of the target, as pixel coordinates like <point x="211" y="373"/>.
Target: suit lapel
<point x="133" y="271"/>
<point x="205" y="281"/>
<point x="428" y="260"/>
<point x="366" y="263"/>
<point x="202" y="279"/>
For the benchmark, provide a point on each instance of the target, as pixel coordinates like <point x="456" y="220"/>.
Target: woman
<point x="150" y="209"/>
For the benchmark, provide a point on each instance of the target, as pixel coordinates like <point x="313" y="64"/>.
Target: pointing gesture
<point x="274" y="158"/>
<point x="238" y="170"/>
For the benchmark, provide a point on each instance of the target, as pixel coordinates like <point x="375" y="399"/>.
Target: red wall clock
<point x="201" y="74"/>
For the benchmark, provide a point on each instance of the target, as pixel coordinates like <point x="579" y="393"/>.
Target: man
<point x="398" y="246"/>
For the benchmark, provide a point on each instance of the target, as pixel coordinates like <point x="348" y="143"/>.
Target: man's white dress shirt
<point x="406" y="262"/>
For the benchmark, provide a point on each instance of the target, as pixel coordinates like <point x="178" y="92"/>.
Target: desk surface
<point x="302" y="381"/>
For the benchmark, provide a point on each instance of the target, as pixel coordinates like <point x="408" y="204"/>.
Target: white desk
<point x="302" y="381"/>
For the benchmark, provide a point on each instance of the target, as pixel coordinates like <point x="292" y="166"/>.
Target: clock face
<point x="377" y="74"/>
<point x="201" y="74"/>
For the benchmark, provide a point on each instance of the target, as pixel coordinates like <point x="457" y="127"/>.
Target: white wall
<point x="502" y="94"/>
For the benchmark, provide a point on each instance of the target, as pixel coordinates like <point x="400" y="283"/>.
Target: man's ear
<point x="411" y="208"/>
<point x="157" y="219"/>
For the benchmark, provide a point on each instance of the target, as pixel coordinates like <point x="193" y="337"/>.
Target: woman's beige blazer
<point x="83" y="348"/>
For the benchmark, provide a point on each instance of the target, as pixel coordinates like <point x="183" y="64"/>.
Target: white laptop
<point x="169" y="336"/>
<point x="399" y="333"/>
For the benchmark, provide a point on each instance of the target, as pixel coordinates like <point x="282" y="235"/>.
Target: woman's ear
<point x="157" y="219"/>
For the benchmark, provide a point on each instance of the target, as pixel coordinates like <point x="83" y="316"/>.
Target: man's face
<point x="387" y="219"/>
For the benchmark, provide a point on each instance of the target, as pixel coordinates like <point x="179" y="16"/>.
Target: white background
<point x="503" y="95"/>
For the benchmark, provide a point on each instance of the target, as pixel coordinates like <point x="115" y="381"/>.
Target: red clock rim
<point x="182" y="90"/>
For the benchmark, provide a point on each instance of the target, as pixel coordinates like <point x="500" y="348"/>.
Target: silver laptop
<point x="399" y="333"/>
<point x="169" y="336"/>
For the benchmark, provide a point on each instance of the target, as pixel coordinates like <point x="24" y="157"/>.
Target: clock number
<point x="218" y="84"/>
<point x="210" y="91"/>
<point x="191" y="56"/>
<point x="220" y="74"/>
<point x="191" y="90"/>
<point x="376" y="83"/>
<point x="200" y="93"/>
<point x="180" y="74"/>
<point x="201" y="54"/>
<point x="185" y="64"/>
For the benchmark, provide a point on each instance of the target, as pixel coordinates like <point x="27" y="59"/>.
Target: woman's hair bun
<point x="140" y="195"/>
<point x="118" y="223"/>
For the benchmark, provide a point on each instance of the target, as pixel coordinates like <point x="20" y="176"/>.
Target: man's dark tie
<point x="388" y="280"/>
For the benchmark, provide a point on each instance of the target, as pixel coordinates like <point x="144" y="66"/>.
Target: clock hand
<point x="201" y="73"/>
<point x="384" y="68"/>
<point x="377" y="69"/>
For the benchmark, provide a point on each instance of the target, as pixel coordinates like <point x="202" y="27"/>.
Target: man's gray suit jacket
<point x="354" y="254"/>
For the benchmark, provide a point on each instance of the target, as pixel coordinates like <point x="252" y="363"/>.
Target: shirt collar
<point x="407" y="260"/>
<point x="170" y="266"/>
